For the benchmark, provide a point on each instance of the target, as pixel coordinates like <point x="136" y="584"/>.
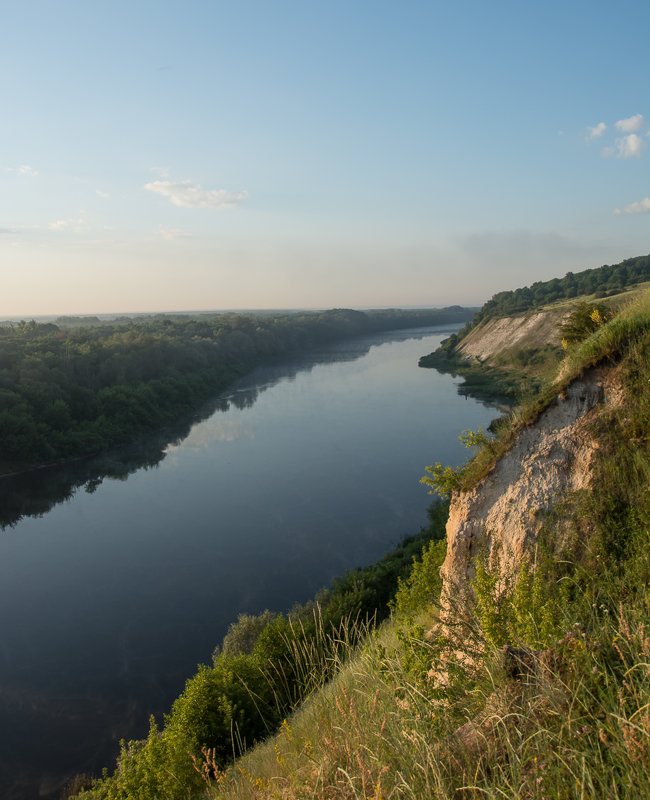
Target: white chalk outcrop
<point x="501" y="333"/>
<point x="502" y="515"/>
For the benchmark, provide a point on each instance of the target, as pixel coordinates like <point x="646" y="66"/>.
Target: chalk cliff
<point x="522" y="330"/>
<point x="502" y="515"/>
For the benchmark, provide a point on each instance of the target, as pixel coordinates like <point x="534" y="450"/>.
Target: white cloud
<point x="596" y="131"/>
<point x="629" y="146"/>
<point x="189" y="195"/>
<point x="23" y="169"/>
<point x="642" y="207"/>
<point x="75" y="225"/>
<point x="172" y="234"/>
<point x="630" y="124"/>
<point x="101" y="194"/>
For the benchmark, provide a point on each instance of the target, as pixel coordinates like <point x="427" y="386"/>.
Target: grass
<point x="625" y="331"/>
<point x="579" y="729"/>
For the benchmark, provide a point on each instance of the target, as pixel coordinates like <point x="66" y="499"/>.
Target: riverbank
<point x="68" y="393"/>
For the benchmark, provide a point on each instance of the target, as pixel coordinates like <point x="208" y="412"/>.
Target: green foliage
<point x="600" y="281"/>
<point x="576" y="725"/>
<point x="471" y="439"/>
<point x="420" y="591"/>
<point x="584" y="320"/>
<point x="517" y="373"/>
<point x="72" y="389"/>
<point x="480" y="380"/>
<point x="444" y="480"/>
<point x="526" y="614"/>
<point x="243" y="634"/>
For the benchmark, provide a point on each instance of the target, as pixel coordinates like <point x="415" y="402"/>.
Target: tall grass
<point x="580" y="728"/>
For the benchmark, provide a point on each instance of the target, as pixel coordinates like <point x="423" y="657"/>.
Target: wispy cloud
<point x="630" y="124"/>
<point x="173" y="234"/>
<point x="161" y="172"/>
<point x="76" y="225"/>
<point x="642" y="207"/>
<point x="189" y="195"/>
<point x="99" y="193"/>
<point x="596" y="131"/>
<point x="629" y="146"/>
<point x="23" y="169"/>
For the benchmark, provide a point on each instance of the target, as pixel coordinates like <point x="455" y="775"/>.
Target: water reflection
<point x="34" y="493"/>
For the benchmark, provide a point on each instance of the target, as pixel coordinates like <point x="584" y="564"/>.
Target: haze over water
<point x="109" y="600"/>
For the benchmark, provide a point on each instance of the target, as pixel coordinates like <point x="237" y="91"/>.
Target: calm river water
<point x="118" y="576"/>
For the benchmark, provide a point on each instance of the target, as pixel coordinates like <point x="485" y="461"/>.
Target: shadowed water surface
<point x="119" y="575"/>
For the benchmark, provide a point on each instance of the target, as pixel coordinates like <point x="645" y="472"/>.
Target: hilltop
<point x="513" y="345"/>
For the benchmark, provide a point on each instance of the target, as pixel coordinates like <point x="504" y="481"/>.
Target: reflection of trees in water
<point x="34" y="493"/>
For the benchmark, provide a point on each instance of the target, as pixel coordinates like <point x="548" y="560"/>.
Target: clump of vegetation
<point x="442" y="479"/>
<point x="584" y="320"/>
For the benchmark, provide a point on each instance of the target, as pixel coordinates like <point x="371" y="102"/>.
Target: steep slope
<point x="497" y="334"/>
<point x="502" y="515"/>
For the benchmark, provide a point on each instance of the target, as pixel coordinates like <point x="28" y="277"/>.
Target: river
<point x="119" y="575"/>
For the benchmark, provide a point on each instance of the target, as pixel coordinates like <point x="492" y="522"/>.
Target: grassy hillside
<point x="570" y="720"/>
<point x="513" y="346"/>
<point x="543" y="692"/>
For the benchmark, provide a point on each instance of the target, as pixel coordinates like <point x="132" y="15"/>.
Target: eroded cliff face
<point x="502" y="515"/>
<point x="521" y="331"/>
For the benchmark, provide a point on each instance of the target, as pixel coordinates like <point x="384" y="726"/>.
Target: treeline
<point x="601" y="281"/>
<point x="266" y="665"/>
<point x="68" y="392"/>
<point x="490" y="380"/>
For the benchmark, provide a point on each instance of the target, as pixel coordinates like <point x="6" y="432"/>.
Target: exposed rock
<point x="532" y="330"/>
<point x="502" y="515"/>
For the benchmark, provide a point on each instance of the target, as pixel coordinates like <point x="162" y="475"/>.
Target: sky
<point x="162" y="156"/>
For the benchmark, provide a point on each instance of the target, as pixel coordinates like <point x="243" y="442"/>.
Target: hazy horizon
<point x="209" y="311"/>
<point x="293" y="155"/>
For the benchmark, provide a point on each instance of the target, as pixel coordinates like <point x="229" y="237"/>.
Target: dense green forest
<point x="600" y="281"/>
<point x="71" y="391"/>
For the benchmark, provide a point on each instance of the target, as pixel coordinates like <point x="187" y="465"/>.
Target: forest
<point x="488" y="380"/>
<point x="68" y="389"/>
<point x="602" y="281"/>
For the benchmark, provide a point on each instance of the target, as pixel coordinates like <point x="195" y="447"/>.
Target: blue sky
<point x="202" y="155"/>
